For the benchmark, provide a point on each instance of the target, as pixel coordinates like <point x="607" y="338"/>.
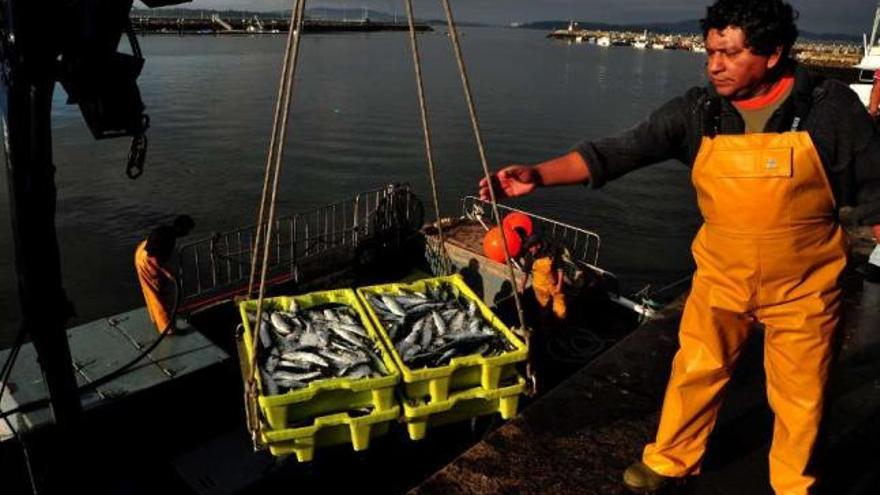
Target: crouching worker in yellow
<point x="542" y="262"/>
<point x="151" y="259"/>
<point x="773" y="150"/>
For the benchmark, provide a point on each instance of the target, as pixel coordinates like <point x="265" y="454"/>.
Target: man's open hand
<point x="510" y="182"/>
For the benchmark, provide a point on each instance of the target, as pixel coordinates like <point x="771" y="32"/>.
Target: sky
<point x="851" y="17"/>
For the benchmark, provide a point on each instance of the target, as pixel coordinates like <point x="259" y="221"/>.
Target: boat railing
<point x="582" y="244"/>
<point x="214" y="269"/>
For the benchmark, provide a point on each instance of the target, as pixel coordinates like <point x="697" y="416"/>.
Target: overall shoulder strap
<point x="711" y="115"/>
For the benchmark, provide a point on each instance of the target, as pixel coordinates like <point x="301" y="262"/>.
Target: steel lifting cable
<point x="453" y="32"/>
<point x="277" y="155"/>
<point x="270" y="158"/>
<point x="429" y="153"/>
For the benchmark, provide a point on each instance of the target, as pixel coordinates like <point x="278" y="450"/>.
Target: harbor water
<point x="355" y="126"/>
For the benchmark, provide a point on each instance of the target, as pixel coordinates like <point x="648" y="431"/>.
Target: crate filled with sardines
<point x="324" y="374"/>
<point x="447" y="343"/>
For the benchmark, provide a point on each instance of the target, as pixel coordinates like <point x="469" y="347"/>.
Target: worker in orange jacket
<point x="151" y="260"/>
<point x="542" y="262"/>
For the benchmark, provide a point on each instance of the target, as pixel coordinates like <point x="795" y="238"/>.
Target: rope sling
<point x="268" y="200"/>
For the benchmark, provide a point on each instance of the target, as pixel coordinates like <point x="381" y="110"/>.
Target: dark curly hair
<point x="767" y="24"/>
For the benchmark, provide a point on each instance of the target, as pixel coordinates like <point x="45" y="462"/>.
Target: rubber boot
<point x="639" y="478"/>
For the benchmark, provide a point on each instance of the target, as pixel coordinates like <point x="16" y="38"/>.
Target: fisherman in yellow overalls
<point x="542" y="263"/>
<point x="151" y="259"/>
<point x="774" y="151"/>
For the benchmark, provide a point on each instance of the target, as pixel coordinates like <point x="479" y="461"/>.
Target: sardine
<point x="290" y="384"/>
<point x="271" y="363"/>
<point x="329" y="315"/>
<point x="281" y="326"/>
<point x="268" y="383"/>
<point x="358" y="371"/>
<point x="393" y="306"/>
<point x="355" y="329"/>
<point x="265" y="337"/>
<point x="306" y="357"/>
<point x="439" y="323"/>
<point x="299" y="377"/>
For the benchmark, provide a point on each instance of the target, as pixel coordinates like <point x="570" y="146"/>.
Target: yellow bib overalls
<point x="770" y="250"/>
<point x="150" y="276"/>
<point x="544" y="285"/>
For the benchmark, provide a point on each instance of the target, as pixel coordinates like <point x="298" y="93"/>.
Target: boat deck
<point x="581" y="436"/>
<point x="98" y="348"/>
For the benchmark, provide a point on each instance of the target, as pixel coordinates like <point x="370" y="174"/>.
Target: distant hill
<point x="335" y="14"/>
<point x="684" y="27"/>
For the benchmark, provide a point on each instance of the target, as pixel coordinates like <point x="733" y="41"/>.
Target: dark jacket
<point x="845" y="136"/>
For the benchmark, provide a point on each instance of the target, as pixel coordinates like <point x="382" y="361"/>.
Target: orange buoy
<point x="517" y="220"/>
<point x="493" y="245"/>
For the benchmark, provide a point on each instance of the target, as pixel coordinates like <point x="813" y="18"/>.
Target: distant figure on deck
<point x="541" y="260"/>
<point x="874" y="100"/>
<point x="151" y="260"/>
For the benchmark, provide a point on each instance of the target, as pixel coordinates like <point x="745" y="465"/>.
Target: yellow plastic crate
<point x="462" y="372"/>
<point x="332" y="395"/>
<point x="326" y="431"/>
<point x="419" y="414"/>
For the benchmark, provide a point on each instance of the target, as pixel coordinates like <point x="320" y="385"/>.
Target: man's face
<point x="733" y="69"/>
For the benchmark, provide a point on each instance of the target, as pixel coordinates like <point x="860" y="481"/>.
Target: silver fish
<point x="306" y="357"/>
<point x="438" y="322"/>
<point x="268" y="383"/>
<point x="358" y="371"/>
<point x="329" y="315"/>
<point x="393" y="306"/>
<point x="428" y="332"/>
<point x="348" y="336"/>
<point x="355" y="329"/>
<point x="272" y="362"/>
<point x="299" y="377"/>
<point x="265" y="337"/>
<point x="290" y="384"/>
<point x="281" y="326"/>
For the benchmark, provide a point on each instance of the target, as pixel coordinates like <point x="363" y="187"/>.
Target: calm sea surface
<point x="356" y="126"/>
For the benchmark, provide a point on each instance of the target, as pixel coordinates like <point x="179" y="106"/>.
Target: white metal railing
<point x="582" y="244"/>
<point x="218" y="265"/>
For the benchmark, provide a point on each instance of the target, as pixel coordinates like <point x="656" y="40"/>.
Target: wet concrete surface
<point x="581" y="435"/>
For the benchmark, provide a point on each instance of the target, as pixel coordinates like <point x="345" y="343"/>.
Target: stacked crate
<point x="330" y="411"/>
<point x="470" y="385"/>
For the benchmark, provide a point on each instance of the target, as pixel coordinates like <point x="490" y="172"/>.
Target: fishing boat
<point x="870" y="62"/>
<point x="603" y="41"/>
<point x="641" y="43"/>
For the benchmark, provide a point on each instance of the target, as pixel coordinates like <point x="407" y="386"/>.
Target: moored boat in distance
<point x="870" y="62"/>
